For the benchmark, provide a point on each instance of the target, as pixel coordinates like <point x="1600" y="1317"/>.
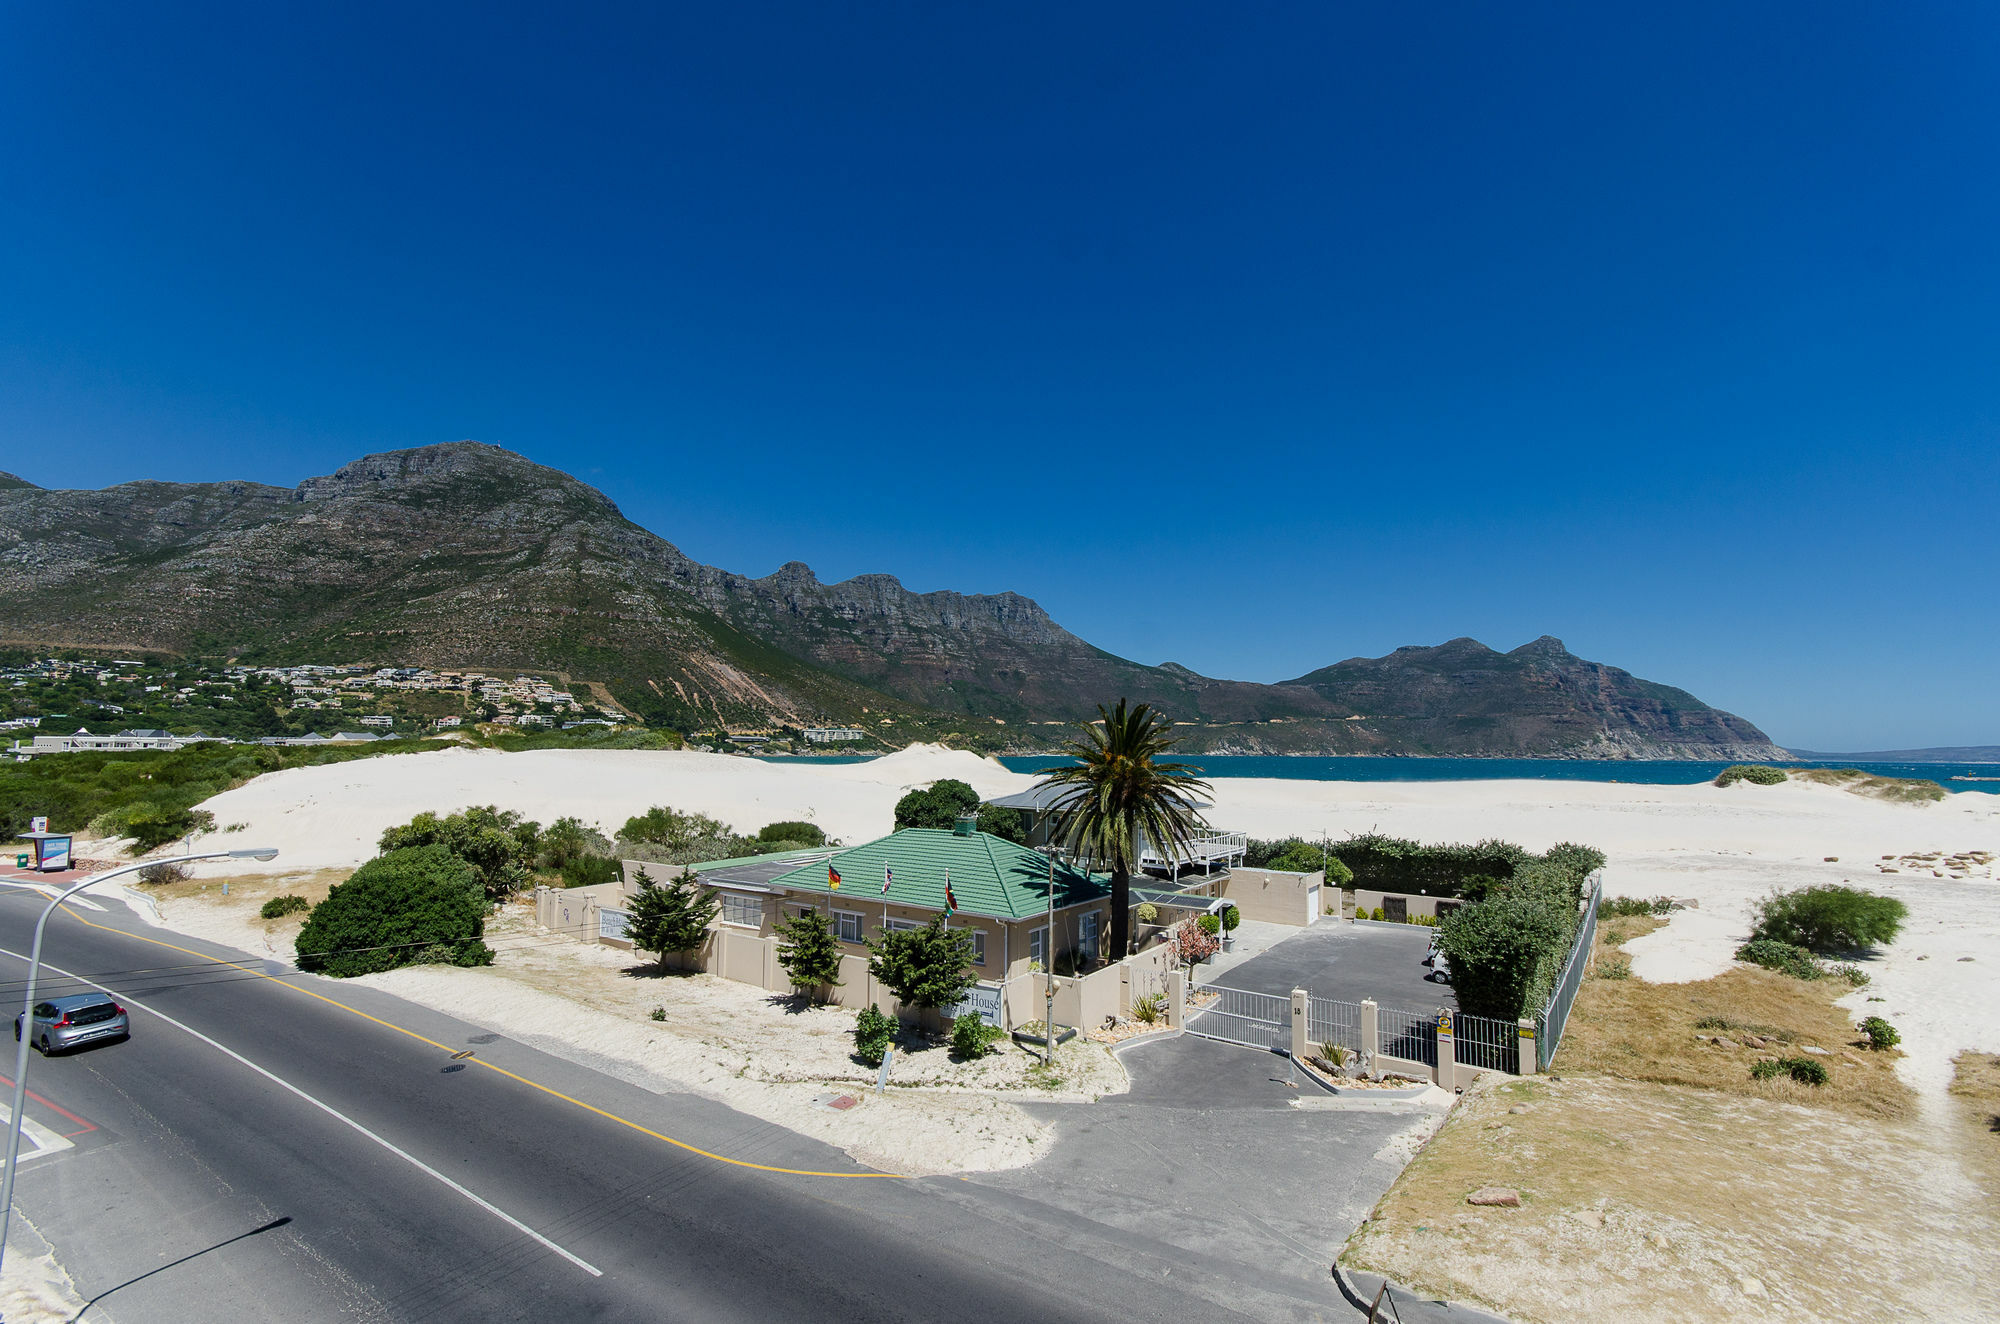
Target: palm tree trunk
<point x="1121" y="915"/>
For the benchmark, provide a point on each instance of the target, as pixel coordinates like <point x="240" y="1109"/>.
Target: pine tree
<point x="674" y="918"/>
<point x="930" y="967"/>
<point x="809" y="952"/>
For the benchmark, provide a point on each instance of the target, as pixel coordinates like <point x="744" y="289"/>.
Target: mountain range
<point x="467" y="555"/>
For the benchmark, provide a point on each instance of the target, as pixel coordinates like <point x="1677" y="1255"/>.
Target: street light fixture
<point x="28" y="1012"/>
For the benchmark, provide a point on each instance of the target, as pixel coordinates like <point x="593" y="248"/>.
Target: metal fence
<point x="1238" y="1016"/>
<point x="1408" y="1035"/>
<point x="1331" y="1022"/>
<point x="1550" y="1020"/>
<point x="1490" y="1045"/>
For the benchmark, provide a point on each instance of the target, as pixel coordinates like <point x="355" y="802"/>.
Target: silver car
<point x="82" y="1018"/>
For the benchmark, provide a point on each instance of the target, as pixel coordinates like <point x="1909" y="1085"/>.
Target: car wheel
<point x="45" y="1046"/>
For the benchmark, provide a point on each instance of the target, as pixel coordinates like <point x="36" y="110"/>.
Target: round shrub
<point x="280" y="906"/>
<point x="394" y="907"/>
<point x="1148" y="913"/>
<point x="1209" y="924"/>
<point x="1880" y="1033"/>
<point x="1231" y="917"/>
<point x="1829" y="918"/>
<point x="873" y="1033"/>
<point x="972" y="1038"/>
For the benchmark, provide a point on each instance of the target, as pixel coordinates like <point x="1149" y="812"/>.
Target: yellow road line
<point x="445" y="1048"/>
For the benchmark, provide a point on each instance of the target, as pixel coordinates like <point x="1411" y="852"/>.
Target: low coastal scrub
<point x="972" y="1038"/>
<point x="665" y="835"/>
<point x="1757" y="774"/>
<point x="420" y="903"/>
<point x="1880" y="1033"/>
<point x="1899" y="790"/>
<point x="1790" y="959"/>
<point x="1829" y="919"/>
<point x="280" y="906"/>
<point x="154" y="791"/>
<point x="1804" y="1070"/>
<point x="1615" y="907"/>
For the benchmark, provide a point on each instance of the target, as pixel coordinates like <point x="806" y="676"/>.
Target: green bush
<point x="658" y="1013"/>
<point x="1614" y="906"/>
<point x="928" y="967"/>
<point x="805" y="834"/>
<point x="1757" y="774"/>
<point x="391" y="909"/>
<point x="873" y="1034"/>
<point x="499" y="844"/>
<point x="937" y="805"/>
<point x="809" y="951"/>
<point x="1782" y="957"/>
<point x="280" y="906"/>
<point x="1375" y="913"/>
<point x="1614" y="967"/>
<point x="972" y="1038"/>
<point x="1805" y="1070"/>
<point x="1506" y="953"/>
<point x="1231" y="917"/>
<point x="1148" y="913"/>
<point x="590" y="871"/>
<point x="1880" y="1033"/>
<point x="1209" y="924"/>
<point x="1829" y="918"/>
<point x="1150" y="1009"/>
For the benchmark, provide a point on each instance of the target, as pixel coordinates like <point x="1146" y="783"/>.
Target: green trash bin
<point x="21" y="861"/>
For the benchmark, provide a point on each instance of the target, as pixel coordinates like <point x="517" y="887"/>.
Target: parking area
<point x="1347" y="962"/>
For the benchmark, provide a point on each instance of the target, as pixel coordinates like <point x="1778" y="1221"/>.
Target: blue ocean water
<point x="1667" y="772"/>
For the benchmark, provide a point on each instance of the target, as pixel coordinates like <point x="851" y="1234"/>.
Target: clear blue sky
<point x="1249" y="337"/>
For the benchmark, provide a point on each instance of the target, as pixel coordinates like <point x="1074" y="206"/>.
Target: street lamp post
<point x="28" y="1013"/>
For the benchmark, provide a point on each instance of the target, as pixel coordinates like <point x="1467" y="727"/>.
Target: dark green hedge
<point x="418" y="904"/>
<point x="1394" y="864"/>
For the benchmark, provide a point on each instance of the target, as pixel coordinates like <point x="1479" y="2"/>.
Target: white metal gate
<point x="1238" y="1016"/>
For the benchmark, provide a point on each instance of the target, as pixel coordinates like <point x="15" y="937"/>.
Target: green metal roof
<point x="740" y="860"/>
<point x="989" y="876"/>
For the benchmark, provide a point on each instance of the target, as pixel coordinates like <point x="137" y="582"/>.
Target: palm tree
<point x="1121" y="792"/>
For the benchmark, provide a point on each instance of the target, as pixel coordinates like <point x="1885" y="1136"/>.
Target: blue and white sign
<point x="51" y="853"/>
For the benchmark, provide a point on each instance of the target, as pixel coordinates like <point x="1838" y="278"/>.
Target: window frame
<point x="840" y="918"/>
<point x="742" y="899"/>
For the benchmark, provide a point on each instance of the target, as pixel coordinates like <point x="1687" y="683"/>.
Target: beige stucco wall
<point x="1274" y="897"/>
<point x="1365" y="902"/>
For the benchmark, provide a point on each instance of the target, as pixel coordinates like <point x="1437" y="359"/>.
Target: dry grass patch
<point x="246" y="893"/>
<point x="1975" y="1092"/>
<point x="1899" y="790"/>
<point x="1669" y="1033"/>
<point x="1646" y="1202"/>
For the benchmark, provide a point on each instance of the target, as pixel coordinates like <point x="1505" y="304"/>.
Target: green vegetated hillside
<point x="466" y="555"/>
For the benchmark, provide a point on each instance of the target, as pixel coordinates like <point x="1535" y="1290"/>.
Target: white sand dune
<point x="1723" y="847"/>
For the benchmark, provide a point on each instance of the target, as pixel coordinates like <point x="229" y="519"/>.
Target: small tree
<point x="674" y="918"/>
<point x="499" y="844"/>
<point x="1192" y="943"/>
<point x="1230" y="917"/>
<point x="1829" y="919"/>
<point x="937" y="805"/>
<point x="930" y="967"/>
<point x="810" y="953"/>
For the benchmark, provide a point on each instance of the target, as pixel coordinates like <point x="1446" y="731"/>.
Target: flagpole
<point x="1049" y="972"/>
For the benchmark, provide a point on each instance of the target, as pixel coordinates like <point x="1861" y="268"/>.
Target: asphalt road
<point x="1347" y="962"/>
<point x="262" y="1186"/>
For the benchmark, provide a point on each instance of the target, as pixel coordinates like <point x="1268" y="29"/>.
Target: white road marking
<point x="330" y="1111"/>
<point x="47" y="1142"/>
<point x="49" y="892"/>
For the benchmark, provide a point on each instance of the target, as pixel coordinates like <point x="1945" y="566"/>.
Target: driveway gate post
<point x="1299" y="1025"/>
<point x="1529" y="1063"/>
<point x="1371" y="1030"/>
<point x="1447" y="1066"/>
<point x="1177" y="999"/>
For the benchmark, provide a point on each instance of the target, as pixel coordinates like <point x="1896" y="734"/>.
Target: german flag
<point x="832" y="876"/>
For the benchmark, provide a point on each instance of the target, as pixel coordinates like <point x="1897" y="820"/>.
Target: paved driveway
<point x="1205" y="1163"/>
<point x="1347" y="962"/>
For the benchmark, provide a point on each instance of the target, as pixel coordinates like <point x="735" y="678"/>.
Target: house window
<point x="901" y="925"/>
<point x="1090" y="934"/>
<point x="745" y="910"/>
<point x="1038" y="944"/>
<point x="978" y="944"/>
<point x="847" y="925"/>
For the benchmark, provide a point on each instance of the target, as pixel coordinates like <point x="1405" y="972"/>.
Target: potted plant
<point x="1230" y="917"/>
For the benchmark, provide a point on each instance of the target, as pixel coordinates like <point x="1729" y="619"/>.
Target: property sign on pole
<point x="882" y="1076"/>
<point x="982" y="1000"/>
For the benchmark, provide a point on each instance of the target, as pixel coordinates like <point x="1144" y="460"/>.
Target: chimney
<point x="965" y="825"/>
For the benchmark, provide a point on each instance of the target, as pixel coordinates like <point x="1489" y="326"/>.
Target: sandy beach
<point x="1721" y="848"/>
